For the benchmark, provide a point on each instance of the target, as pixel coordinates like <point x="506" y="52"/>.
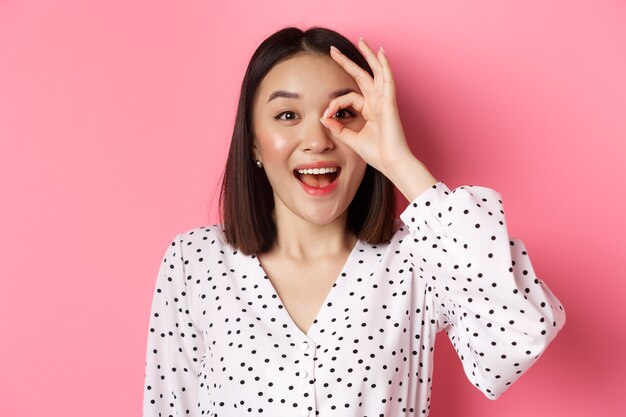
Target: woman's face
<point x="312" y="175"/>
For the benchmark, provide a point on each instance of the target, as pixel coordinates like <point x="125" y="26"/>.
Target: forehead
<point x="306" y="73"/>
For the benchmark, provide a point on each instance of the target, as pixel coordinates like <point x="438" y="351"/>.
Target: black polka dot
<point x="222" y="343"/>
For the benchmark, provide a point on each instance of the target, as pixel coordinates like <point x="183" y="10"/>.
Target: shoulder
<point x="204" y="248"/>
<point x="384" y="248"/>
<point x="202" y="234"/>
<point x="205" y="239"/>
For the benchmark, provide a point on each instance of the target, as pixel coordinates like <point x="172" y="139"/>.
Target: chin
<point x="322" y="218"/>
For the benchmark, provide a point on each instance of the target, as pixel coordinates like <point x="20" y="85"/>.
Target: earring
<point x="259" y="163"/>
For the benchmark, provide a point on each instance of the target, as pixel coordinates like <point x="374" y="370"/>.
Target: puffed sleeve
<point x="175" y="345"/>
<point x="498" y="314"/>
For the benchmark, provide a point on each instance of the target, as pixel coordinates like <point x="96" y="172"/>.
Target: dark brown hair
<point x="246" y="198"/>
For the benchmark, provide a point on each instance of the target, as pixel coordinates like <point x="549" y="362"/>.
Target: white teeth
<point x="317" y="171"/>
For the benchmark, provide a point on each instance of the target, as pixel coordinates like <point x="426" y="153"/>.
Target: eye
<point x="343" y="114"/>
<point x="286" y="115"/>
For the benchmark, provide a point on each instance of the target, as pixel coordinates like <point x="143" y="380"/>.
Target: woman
<point x="311" y="299"/>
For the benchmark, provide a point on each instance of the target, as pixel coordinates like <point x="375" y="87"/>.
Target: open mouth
<point x="317" y="177"/>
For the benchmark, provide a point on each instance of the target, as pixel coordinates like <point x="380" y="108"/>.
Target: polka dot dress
<point x="221" y="343"/>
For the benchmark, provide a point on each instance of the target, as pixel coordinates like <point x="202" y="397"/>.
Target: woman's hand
<point x="381" y="142"/>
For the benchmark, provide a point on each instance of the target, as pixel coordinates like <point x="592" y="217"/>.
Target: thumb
<point x="339" y="131"/>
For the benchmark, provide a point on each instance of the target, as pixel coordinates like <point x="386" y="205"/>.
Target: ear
<point x="255" y="151"/>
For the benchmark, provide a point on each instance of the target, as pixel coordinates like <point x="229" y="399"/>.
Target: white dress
<point x="221" y="343"/>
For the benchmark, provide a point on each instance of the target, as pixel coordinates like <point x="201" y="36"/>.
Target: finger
<point x="388" y="81"/>
<point x="372" y="60"/>
<point x="340" y="132"/>
<point x="354" y="100"/>
<point x="362" y="77"/>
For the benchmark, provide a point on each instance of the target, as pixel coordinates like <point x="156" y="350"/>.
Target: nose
<point x="316" y="137"/>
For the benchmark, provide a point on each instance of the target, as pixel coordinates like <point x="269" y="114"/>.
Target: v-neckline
<point x="323" y="307"/>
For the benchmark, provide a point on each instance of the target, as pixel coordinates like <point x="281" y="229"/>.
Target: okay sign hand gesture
<point x="381" y="142"/>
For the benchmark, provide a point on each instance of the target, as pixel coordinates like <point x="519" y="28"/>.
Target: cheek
<point x="354" y="159"/>
<point x="361" y="172"/>
<point x="360" y="166"/>
<point x="273" y="145"/>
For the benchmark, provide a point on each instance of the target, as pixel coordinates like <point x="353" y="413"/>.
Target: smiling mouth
<point x="317" y="177"/>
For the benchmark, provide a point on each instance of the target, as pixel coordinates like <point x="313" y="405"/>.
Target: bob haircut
<point x="247" y="199"/>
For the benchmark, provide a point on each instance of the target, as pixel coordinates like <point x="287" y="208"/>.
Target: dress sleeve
<point x="175" y="345"/>
<point x="498" y="315"/>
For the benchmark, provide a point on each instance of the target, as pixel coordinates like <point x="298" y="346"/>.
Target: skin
<point x="288" y="134"/>
<point x="359" y="126"/>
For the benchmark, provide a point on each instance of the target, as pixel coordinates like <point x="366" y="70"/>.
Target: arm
<point x="175" y="345"/>
<point x="498" y="314"/>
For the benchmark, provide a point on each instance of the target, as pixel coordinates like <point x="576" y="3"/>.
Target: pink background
<point x="115" y="119"/>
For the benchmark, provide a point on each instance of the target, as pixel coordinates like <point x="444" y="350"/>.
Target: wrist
<point x="410" y="176"/>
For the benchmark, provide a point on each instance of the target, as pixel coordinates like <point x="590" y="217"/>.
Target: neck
<point x="303" y="240"/>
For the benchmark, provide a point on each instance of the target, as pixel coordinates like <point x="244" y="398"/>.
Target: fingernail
<point x="382" y="49"/>
<point x="332" y="48"/>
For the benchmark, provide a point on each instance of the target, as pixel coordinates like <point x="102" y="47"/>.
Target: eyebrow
<point x="296" y="96"/>
<point x="340" y="92"/>
<point x="284" y="94"/>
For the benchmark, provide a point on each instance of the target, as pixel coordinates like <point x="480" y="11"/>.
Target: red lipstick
<point x="332" y="178"/>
